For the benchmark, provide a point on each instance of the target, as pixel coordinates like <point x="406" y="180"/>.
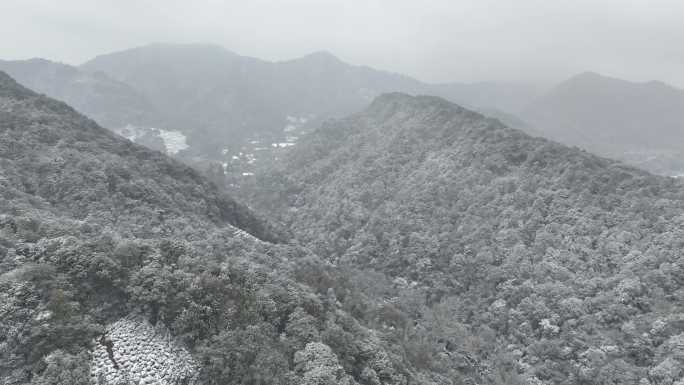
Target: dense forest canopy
<point x="562" y="264"/>
<point x="300" y="192"/>
<point x="414" y="242"/>
<point x="95" y="229"/>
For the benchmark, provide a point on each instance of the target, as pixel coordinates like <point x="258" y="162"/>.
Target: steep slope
<point x="69" y="162"/>
<point x="120" y="265"/>
<point x="524" y="253"/>
<point x="203" y="90"/>
<point x="642" y="123"/>
<point x="110" y="103"/>
<point x="224" y="101"/>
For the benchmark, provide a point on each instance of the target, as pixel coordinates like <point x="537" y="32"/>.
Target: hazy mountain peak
<point x="657" y="84"/>
<point x="408" y="100"/>
<point x="161" y="45"/>
<point x="222" y="100"/>
<point x="391" y="98"/>
<point x="323" y="54"/>
<point x="320" y="57"/>
<point x="389" y="104"/>
<point x="39" y="60"/>
<point x="9" y="87"/>
<point x="588" y="75"/>
<point x="590" y="78"/>
<point x="206" y="48"/>
<point x="639" y="122"/>
<point x="110" y="102"/>
<point x="158" y="54"/>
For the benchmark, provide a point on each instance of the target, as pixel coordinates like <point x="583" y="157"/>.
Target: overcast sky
<point x="434" y="40"/>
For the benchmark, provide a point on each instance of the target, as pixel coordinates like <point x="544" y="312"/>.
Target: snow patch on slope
<point x="133" y="351"/>
<point x="174" y="141"/>
<point x="129" y="132"/>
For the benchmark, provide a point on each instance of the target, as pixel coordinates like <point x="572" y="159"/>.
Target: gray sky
<point x="434" y="40"/>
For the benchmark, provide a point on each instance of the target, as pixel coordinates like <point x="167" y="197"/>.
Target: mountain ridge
<point x="113" y="104"/>
<point x="220" y="208"/>
<point x="550" y="251"/>
<point x="318" y="84"/>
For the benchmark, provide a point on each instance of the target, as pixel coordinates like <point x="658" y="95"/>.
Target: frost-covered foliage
<point x="65" y="161"/>
<point x="318" y="365"/>
<point x="133" y="350"/>
<point x="488" y="253"/>
<point x="94" y="228"/>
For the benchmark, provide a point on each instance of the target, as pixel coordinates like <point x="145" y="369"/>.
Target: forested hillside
<point x="110" y="103"/>
<point x="542" y="263"/>
<point x="115" y="258"/>
<point x="426" y="244"/>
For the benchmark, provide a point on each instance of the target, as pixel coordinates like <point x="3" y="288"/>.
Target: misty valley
<point x="182" y="214"/>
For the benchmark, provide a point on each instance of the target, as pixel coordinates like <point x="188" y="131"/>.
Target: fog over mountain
<point x="203" y="102"/>
<point x="305" y="192"/>
<point x="111" y="103"/>
<point x="218" y="97"/>
<point x="541" y="42"/>
<point x="640" y="123"/>
<point x="211" y="104"/>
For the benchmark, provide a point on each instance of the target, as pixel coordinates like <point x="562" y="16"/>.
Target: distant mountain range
<point x="640" y="123"/>
<point x="222" y="101"/>
<point x="205" y="103"/>
<point x="111" y="103"/>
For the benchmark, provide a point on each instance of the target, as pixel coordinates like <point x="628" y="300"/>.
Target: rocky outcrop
<point x="133" y="351"/>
